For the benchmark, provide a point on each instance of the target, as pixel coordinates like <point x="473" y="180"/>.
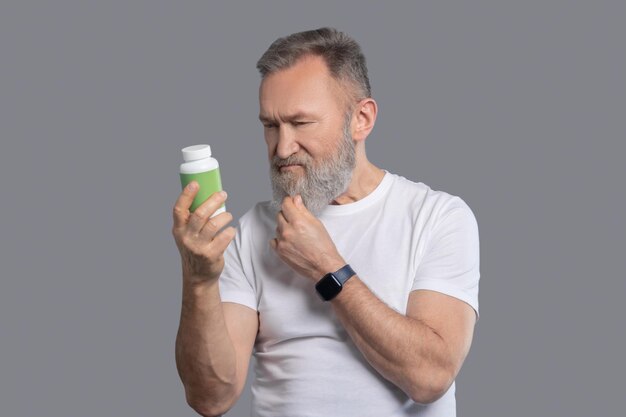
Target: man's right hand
<point x="199" y="238"/>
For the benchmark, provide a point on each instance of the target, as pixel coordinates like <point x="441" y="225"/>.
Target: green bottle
<point x="199" y="166"/>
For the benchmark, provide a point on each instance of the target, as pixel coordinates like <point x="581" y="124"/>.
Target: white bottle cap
<point x="195" y="152"/>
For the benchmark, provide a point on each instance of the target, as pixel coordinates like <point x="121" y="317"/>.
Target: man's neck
<point x="365" y="178"/>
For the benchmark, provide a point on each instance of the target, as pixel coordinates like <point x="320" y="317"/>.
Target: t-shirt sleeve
<point x="451" y="260"/>
<point x="235" y="285"/>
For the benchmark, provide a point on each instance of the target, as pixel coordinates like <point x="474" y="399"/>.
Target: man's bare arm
<point x="421" y="352"/>
<point x="213" y="348"/>
<point x="214" y="339"/>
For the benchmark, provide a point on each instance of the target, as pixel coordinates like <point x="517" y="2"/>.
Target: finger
<point x="221" y="241"/>
<point x="298" y="202"/>
<point x="184" y="201"/>
<point x="198" y="218"/>
<point x="289" y="209"/>
<point x="281" y="222"/>
<point x="215" y="224"/>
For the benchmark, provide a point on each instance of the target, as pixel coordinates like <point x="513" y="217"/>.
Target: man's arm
<point x="421" y="352"/>
<point x="213" y="348"/>
<point x="214" y="339"/>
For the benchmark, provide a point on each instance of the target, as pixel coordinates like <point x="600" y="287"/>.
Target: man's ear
<point x="363" y="119"/>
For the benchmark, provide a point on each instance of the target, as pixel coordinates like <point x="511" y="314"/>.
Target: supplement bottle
<point x="200" y="167"/>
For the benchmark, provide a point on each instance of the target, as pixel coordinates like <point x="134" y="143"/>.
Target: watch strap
<point x="344" y="273"/>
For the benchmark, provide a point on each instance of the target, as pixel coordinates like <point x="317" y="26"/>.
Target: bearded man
<point x="355" y="288"/>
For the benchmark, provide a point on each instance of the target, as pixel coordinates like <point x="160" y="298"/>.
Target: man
<point x="356" y="288"/>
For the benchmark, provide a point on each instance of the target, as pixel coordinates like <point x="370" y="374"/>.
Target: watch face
<point x="328" y="287"/>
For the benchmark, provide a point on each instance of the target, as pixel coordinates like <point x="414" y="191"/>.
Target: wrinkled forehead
<point x="307" y="83"/>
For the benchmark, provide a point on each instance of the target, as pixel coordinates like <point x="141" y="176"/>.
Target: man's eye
<point x="269" y="125"/>
<point x="300" y="123"/>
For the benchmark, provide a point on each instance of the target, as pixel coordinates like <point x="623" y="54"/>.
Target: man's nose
<point x="287" y="144"/>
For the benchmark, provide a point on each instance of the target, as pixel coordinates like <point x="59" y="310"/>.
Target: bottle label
<point x="210" y="182"/>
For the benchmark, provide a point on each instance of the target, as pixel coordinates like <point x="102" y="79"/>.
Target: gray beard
<point x="321" y="183"/>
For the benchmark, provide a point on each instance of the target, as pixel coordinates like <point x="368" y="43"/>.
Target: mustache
<point x="291" y="160"/>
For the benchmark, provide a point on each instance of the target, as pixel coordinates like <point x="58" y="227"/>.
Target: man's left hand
<point x="303" y="242"/>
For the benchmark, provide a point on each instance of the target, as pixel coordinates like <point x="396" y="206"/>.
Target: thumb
<point x="273" y="243"/>
<point x="298" y="202"/>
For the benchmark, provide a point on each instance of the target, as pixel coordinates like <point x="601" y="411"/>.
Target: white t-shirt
<point x="402" y="237"/>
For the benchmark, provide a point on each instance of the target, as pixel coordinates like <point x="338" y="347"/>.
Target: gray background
<point x="517" y="107"/>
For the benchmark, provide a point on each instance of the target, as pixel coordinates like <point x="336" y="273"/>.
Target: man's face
<point x="306" y="127"/>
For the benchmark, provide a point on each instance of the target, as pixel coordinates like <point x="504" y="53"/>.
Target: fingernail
<point x="223" y="194"/>
<point x="299" y="200"/>
<point x="192" y="186"/>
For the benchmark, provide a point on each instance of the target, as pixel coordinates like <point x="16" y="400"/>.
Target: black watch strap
<point x="344" y="273"/>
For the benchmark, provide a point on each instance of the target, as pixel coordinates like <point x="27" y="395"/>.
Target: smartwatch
<point x="330" y="285"/>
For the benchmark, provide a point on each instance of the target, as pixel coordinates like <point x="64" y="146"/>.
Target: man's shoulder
<point x="421" y="197"/>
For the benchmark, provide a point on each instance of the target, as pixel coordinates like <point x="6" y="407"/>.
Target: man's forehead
<point x="294" y="115"/>
<point x="299" y="89"/>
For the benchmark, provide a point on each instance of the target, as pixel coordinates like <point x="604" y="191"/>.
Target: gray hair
<point x="341" y="53"/>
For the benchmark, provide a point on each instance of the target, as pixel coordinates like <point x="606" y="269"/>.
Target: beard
<point x="321" y="181"/>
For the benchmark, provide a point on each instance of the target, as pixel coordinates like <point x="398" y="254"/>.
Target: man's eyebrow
<point x="294" y="116"/>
